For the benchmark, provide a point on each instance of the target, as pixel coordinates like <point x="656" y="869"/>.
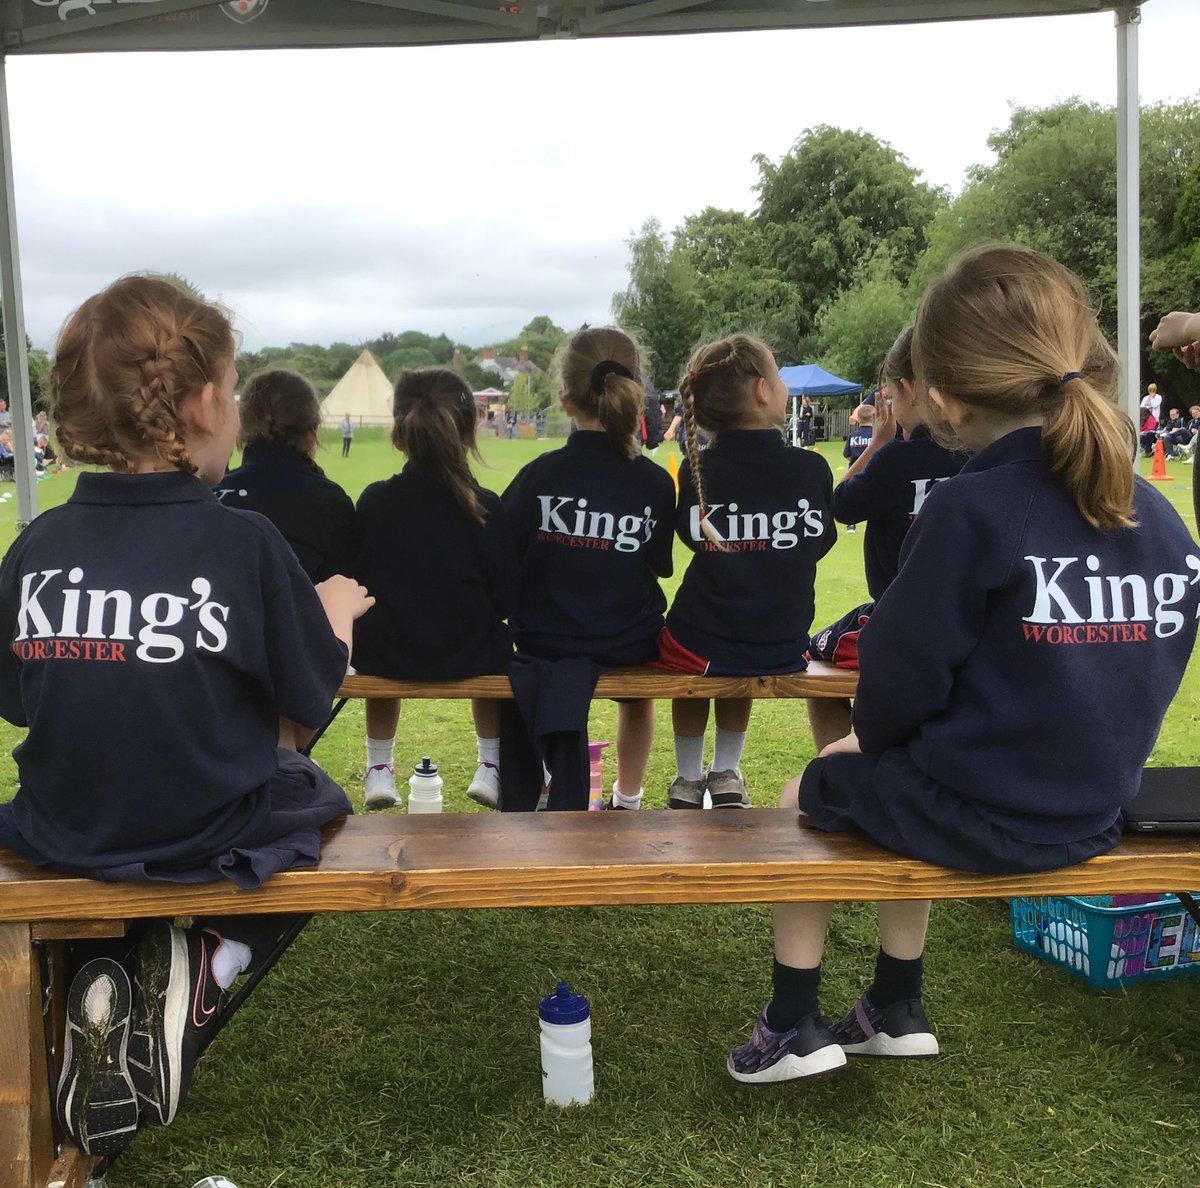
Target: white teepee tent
<point x="363" y="392"/>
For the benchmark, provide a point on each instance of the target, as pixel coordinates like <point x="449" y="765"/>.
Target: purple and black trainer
<point x="900" y="1031"/>
<point x="805" y="1050"/>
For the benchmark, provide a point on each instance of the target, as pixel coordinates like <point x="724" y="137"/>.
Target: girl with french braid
<point x="164" y="637"/>
<point x="757" y="515"/>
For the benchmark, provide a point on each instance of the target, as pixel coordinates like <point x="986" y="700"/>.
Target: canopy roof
<point x="807" y="379"/>
<point x="63" y="26"/>
<point x="363" y="392"/>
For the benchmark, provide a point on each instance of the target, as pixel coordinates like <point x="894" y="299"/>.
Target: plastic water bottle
<point x="215" y="1182"/>
<point x="566" y="1026"/>
<point x="425" y="788"/>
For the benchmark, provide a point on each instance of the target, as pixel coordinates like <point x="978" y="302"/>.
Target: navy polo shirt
<point x="155" y="639"/>
<point x="888" y="493"/>
<point x="314" y="514"/>
<point x="856" y="442"/>
<point x="443" y="585"/>
<point x="594" y="534"/>
<point x="1022" y="658"/>
<point x="752" y="606"/>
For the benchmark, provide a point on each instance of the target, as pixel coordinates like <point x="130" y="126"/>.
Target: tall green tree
<point x="38" y="371"/>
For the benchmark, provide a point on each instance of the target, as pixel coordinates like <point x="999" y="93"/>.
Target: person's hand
<point x="343" y="598"/>
<point x="843" y="746"/>
<point x="884" y="428"/>
<point x="1176" y="330"/>
<point x="1189" y="355"/>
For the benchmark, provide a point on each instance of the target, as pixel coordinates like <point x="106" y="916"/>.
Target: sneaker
<point x="96" y="1102"/>
<point x="806" y="1050"/>
<point x="485" y="786"/>
<point x="685" y="794"/>
<point x="728" y="790"/>
<point x="177" y="1003"/>
<point x="379" y="788"/>
<point x="899" y="1031"/>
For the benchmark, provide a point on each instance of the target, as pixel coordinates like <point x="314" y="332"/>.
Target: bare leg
<point x="829" y="719"/>
<point x="293" y="735"/>
<point x="733" y="713"/>
<point x="902" y="927"/>
<point x="383" y="716"/>
<point x="689" y="716"/>
<point x="485" y="712"/>
<point x="635" y="733"/>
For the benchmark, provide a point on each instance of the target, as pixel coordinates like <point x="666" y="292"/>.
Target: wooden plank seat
<point x="473" y="860"/>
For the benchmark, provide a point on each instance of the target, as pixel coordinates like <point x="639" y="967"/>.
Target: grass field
<point x="401" y="1049"/>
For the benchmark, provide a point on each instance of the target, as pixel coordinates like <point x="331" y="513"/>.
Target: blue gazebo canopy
<point x="807" y="379"/>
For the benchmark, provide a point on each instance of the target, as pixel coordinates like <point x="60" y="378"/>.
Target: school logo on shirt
<point x="60" y="620"/>
<point x="572" y="522"/>
<point x="921" y="489"/>
<point x="1075" y="602"/>
<point x="752" y="532"/>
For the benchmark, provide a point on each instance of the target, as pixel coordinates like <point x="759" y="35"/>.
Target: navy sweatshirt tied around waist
<point x="1024" y="659"/>
<point x="751" y="607"/>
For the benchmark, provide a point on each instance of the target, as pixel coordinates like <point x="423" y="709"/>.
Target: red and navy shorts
<point x="838" y="643"/>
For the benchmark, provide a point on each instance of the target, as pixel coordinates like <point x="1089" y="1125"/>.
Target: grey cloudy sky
<point x="331" y="195"/>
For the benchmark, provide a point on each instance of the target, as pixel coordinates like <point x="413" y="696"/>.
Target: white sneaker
<point x="485" y="786"/>
<point x="379" y="788"/>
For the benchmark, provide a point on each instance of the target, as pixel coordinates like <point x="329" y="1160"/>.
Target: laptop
<point x="1167" y="802"/>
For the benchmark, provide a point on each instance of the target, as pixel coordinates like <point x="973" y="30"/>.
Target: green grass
<point x="401" y="1049"/>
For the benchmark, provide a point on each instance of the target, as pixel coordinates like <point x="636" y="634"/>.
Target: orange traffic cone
<point x="1158" y="469"/>
<point x="673" y="470"/>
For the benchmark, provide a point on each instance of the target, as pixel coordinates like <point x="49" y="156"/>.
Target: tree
<point x="38" y="371"/>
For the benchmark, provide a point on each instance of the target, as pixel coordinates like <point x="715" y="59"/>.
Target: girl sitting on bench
<point x="1016" y="672"/>
<point x="154" y="641"/>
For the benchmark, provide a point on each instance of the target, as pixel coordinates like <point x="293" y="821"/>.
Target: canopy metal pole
<point x="1129" y="286"/>
<point x="19" y="400"/>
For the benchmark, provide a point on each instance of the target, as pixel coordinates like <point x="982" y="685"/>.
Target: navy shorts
<point x="892" y="801"/>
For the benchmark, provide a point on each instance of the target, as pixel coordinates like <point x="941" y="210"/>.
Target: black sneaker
<point x="177" y="1003"/>
<point x="95" y="1101"/>
<point x="806" y="1050"/>
<point x="900" y="1031"/>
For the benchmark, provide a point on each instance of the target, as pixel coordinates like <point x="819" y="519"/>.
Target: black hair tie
<point x="602" y="371"/>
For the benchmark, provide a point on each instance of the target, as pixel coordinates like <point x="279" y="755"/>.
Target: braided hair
<point x="281" y="405"/>
<point x="714" y="390"/>
<point x="124" y="362"/>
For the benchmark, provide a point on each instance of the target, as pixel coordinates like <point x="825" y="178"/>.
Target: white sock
<point x="689" y="756"/>
<point x="231" y="958"/>
<point x="380" y="752"/>
<point x="488" y="750"/>
<point x="727" y="750"/>
<point x="627" y="802"/>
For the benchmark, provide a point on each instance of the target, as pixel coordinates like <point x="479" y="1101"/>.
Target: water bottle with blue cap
<point x="566" y="1026"/>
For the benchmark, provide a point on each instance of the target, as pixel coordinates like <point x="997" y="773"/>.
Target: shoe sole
<point x="483" y="796"/>
<point x="166" y="1042"/>
<point x="675" y="803"/>
<point x="918" y="1046"/>
<point x="110" y="1117"/>
<point x="731" y="801"/>
<point x="793" y="1068"/>
<point x="381" y="800"/>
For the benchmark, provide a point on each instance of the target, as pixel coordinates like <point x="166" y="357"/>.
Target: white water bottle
<point x="566" y="1026"/>
<point x="425" y="788"/>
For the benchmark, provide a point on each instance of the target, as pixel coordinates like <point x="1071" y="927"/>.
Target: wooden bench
<point x="474" y="860"/>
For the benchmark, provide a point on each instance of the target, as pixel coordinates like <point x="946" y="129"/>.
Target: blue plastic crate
<point x="1108" y="946"/>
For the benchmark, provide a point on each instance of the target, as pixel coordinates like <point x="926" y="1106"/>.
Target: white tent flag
<point x="363" y="393"/>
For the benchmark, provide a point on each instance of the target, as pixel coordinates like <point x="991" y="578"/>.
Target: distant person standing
<point x="347" y="427"/>
<point x="807" y="437"/>
<point x="1152" y="402"/>
<point x="5" y="416"/>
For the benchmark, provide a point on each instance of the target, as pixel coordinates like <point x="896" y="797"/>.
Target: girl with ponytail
<point x="757" y="515"/>
<point x="438" y="550"/>
<point x="1016" y="671"/>
<point x="279" y="477"/>
<point x="593" y="528"/>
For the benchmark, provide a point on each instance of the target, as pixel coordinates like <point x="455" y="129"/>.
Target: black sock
<point x="896" y="980"/>
<point x="795" y="993"/>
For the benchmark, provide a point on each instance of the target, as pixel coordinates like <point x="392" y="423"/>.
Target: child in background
<point x="437" y="551"/>
<point x="163" y="636"/>
<point x="279" y="476"/>
<point x="857" y="441"/>
<point x="757" y="515"/>
<point x="1044" y="575"/>
<point x="592" y="523"/>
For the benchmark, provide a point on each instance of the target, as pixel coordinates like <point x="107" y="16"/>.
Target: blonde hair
<point x="615" y="400"/>
<point x="435" y="418"/>
<point x="714" y="390"/>
<point x="1008" y="329"/>
<point x="124" y="362"/>
<point x="281" y="405"/>
<point x="865" y="414"/>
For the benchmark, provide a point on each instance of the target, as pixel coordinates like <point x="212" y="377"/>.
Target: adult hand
<point x="1178" y="330"/>
<point x="843" y="746"/>
<point x="1189" y="355"/>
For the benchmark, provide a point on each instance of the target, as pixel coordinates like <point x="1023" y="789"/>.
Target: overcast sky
<point x="331" y="195"/>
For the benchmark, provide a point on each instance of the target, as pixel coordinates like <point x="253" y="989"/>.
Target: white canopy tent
<point x="73" y="26"/>
<point x="363" y="394"/>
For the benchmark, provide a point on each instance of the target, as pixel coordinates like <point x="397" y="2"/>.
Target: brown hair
<point x="898" y="365"/>
<point x="1008" y="329"/>
<point x="714" y="390"/>
<point x="435" y="426"/>
<point x="124" y="362"/>
<point x="281" y="405"/>
<point x="616" y="401"/>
